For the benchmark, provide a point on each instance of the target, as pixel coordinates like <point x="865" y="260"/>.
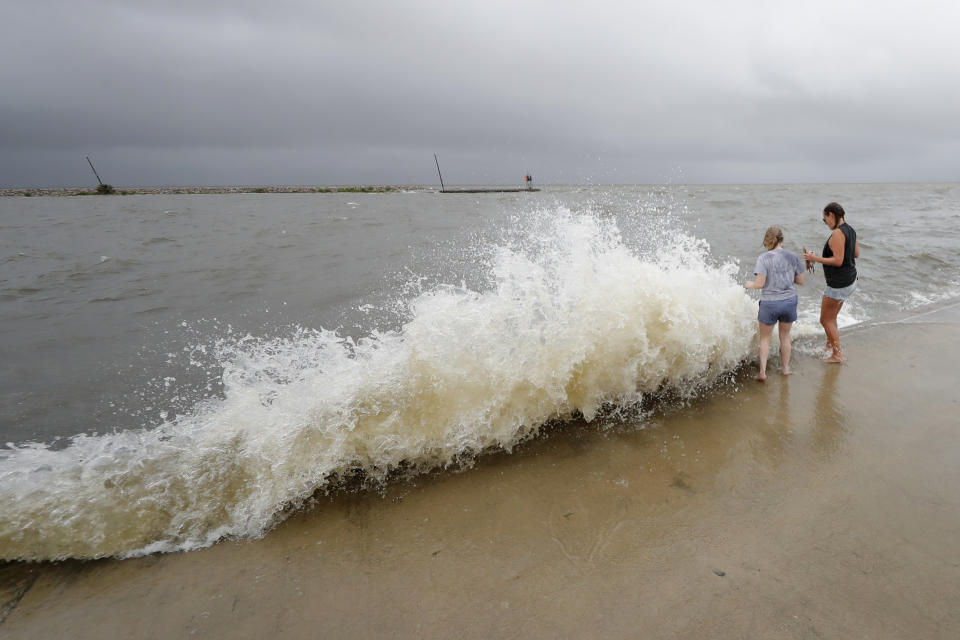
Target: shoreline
<point x="175" y="190"/>
<point x="129" y="191"/>
<point x="815" y="505"/>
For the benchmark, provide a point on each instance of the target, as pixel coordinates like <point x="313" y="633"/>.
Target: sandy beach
<point x="822" y="505"/>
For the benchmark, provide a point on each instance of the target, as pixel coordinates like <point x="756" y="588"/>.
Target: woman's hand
<point x="758" y="283"/>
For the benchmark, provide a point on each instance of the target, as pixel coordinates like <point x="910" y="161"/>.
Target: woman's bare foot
<point x="786" y="372"/>
<point x="834" y="360"/>
<point x="761" y="377"/>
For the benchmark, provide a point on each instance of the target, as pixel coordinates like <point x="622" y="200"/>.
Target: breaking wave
<point x="573" y="318"/>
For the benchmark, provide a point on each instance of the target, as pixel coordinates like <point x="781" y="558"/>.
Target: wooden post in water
<point x="442" y="188"/>
<point x="94" y="170"/>
<point x="101" y="188"/>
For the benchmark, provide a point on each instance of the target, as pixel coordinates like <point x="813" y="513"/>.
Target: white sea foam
<point x="574" y="318"/>
<point x="946" y="291"/>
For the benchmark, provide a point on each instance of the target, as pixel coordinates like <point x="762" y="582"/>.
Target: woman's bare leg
<point x="785" y="347"/>
<point x="829" y="309"/>
<point x="766" y="330"/>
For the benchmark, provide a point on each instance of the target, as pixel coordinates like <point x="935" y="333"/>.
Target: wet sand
<point x="823" y="505"/>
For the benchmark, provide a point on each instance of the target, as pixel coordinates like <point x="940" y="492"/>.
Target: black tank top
<point x="846" y="274"/>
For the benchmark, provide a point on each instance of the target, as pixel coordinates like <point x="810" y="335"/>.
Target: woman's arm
<point x="836" y="242"/>
<point x="756" y="284"/>
<point x="798" y="279"/>
<point x="856" y="249"/>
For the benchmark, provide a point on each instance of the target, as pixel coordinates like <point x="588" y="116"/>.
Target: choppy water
<point x="176" y="369"/>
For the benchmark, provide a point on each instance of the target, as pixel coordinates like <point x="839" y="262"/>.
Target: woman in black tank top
<point x="839" y="269"/>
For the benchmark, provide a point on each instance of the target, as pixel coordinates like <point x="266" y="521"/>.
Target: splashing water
<point x="573" y="319"/>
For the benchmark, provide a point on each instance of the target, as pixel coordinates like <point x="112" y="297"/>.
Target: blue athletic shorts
<point x="774" y="311"/>
<point x="839" y="294"/>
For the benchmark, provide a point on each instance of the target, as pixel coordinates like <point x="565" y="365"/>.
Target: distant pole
<point x="94" y="171"/>
<point x="442" y="188"/>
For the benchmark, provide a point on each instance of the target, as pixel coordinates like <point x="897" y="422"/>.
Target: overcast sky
<point x="218" y="92"/>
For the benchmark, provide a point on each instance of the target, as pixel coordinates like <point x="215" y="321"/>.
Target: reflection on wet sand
<point x="829" y="415"/>
<point x="776" y="433"/>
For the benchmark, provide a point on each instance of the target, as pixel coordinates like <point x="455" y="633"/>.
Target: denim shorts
<point x="839" y="294"/>
<point x="773" y="311"/>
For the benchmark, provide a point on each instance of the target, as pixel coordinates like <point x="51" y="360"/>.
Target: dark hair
<point x="836" y="210"/>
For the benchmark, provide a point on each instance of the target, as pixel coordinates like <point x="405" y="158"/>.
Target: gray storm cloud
<point x="307" y="93"/>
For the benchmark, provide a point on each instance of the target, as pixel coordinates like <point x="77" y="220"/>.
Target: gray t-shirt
<point x="780" y="267"/>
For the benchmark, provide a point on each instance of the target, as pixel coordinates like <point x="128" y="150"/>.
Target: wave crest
<point x="574" y="319"/>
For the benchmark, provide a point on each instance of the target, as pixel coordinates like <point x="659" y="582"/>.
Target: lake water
<point x="175" y="369"/>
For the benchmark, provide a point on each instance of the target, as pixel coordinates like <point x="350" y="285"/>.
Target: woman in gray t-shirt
<point x="777" y="271"/>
